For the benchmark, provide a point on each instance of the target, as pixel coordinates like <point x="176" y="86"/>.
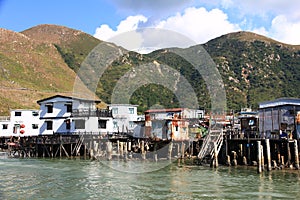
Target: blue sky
<point x="200" y="20"/>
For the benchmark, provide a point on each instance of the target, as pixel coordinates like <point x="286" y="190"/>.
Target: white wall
<point x="27" y="124"/>
<point x="123" y="119"/>
<point x="60" y="115"/>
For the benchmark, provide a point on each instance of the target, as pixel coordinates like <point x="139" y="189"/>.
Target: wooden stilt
<point x="228" y="163"/>
<point x="289" y="153"/>
<point x="259" y="168"/>
<point x="109" y="150"/>
<point x="234" y="160"/>
<point x="282" y="162"/>
<point x="269" y="167"/>
<point x="215" y="163"/>
<point x="296" y="154"/>
<point x="122" y="149"/>
<point x="245" y="160"/>
<point x="143" y="150"/>
<point x="155" y="152"/>
<point x="170" y="150"/>
<point x="182" y="150"/>
<point x="262" y="158"/>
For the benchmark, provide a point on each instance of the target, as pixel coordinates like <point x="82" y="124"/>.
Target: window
<point x="115" y="111"/>
<point x="80" y="124"/>
<point x="69" y="107"/>
<point x="115" y="124"/>
<point x="200" y="116"/>
<point x="18" y="113"/>
<point x="68" y="124"/>
<point x="49" y="125"/>
<point x="131" y="110"/>
<point x="102" y="124"/>
<point x="35" y="126"/>
<point x="131" y="124"/>
<point x="49" y="108"/>
<point x="4" y="126"/>
<point x="35" y="113"/>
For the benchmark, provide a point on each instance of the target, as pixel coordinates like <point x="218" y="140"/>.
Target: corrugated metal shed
<point x="278" y="117"/>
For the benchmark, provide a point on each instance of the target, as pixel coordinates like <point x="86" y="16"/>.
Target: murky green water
<point x="84" y="179"/>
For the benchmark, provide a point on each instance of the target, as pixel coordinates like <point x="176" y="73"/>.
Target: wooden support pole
<point x="269" y="167"/>
<point x="109" y="150"/>
<point x="245" y="160"/>
<point x="289" y="153"/>
<point x="241" y="150"/>
<point x="228" y="163"/>
<point x="296" y="154"/>
<point x="155" y="152"/>
<point x="91" y="147"/>
<point x="52" y="149"/>
<point x="278" y="153"/>
<point x="178" y="150"/>
<point x="71" y="150"/>
<point x="182" y="150"/>
<point x="118" y="147"/>
<point x="259" y="168"/>
<point x="170" y="150"/>
<point x="143" y="150"/>
<point x="121" y="149"/>
<point x="60" y="145"/>
<point x="36" y="147"/>
<point x="125" y="150"/>
<point x="215" y="163"/>
<point x="282" y="162"/>
<point x="234" y="160"/>
<point x="191" y="145"/>
<point x="262" y="158"/>
<point x="129" y="145"/>
<point x="84" y="153"/>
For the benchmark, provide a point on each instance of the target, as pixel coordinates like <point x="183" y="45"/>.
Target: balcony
<point x="91" y="113"/>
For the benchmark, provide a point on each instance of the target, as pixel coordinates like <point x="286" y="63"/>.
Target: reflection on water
<point x="82" y="179"/>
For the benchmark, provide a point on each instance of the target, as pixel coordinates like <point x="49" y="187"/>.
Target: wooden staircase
<point x="215" y="137"/>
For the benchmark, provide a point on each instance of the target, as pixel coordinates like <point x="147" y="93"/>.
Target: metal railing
<point x="91" y="113"/>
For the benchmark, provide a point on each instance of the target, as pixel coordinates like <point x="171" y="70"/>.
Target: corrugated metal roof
<point x="280" y="102"/>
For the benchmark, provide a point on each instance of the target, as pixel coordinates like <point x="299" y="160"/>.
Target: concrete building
<point x="20" y="123"/>
<point x="168" y="124"/>
<point x="64" y="115"/>
<point x="124" y="117"/>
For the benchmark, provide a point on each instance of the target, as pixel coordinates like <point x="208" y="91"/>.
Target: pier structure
<point x="74" y="127"/>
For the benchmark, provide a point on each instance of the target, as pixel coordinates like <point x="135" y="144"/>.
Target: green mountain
<point x="43" y="61"/>
<point x="255" y="68"/>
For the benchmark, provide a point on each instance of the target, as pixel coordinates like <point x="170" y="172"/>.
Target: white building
<point x="20" y="123"/>
<point x="124" y="117"/>
<point x="63" y="115"/>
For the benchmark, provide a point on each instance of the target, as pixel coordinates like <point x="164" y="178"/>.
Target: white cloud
<point x="285" y="30"/>
<point x="104" y="32"/>
<point x="260" y="31"/>
<point x="195" y="25"/>
<point x="199" y="24"/>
